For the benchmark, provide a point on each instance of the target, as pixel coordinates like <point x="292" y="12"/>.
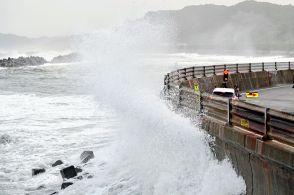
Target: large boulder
<point x="86" y="156"/>
<point x="65" y="185"/>
<point x="37" y="171"/>
<point x="78" y="169"/>
<point x="68" y="172"/>
<point x="58" y="162"/>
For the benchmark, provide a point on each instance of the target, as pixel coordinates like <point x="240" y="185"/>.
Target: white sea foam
<point x="43" y="129"/>
<point x="155" y="151"/>
<point x="140" y="146"/>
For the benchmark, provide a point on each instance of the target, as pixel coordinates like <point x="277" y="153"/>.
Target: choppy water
<point x="110" y="105"/>
<point x="50" y="113"/>
<point x="48" y="117"/>
<point x="55" y="112"/>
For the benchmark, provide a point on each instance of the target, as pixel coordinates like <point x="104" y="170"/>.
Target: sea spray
<point x="155" y="151"/>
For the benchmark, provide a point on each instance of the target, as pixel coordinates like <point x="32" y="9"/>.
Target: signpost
<point x="196" y="88"/>
<point x="252" y="94"/>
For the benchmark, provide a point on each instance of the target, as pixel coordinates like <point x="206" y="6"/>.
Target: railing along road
<point x="203" y="71"/>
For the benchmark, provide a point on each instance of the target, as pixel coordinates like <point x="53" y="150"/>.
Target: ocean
<point x="110" y="103"/>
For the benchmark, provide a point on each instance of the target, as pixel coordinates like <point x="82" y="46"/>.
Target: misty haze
<point x="83" y="110"/>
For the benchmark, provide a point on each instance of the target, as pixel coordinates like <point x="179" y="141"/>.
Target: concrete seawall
<point x="266" y="165"/>
<point x="245" y="81"/>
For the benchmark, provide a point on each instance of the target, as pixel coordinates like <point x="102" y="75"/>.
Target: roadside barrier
<point x="270" y="124"/>
<point x="258" y="141"/>
<point x="203" y="71"/>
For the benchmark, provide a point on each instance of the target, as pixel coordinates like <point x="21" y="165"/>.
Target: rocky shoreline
<point x="22" y="61"/>
<point x="69" y="173"/>
<point x="36" y="60"/>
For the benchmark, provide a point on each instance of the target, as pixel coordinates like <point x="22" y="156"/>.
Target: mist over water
<point x="109" y="104"/>
<point x="155" y="151"/>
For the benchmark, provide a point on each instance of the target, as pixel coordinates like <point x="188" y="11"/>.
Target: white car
<point x="225" y="92"/>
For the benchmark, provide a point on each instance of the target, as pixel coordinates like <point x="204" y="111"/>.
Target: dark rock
<point x="85" y="173"/>
<point x="37" y="171"/>
<point x="86" y="156"/>
<point x="68" y="172"/>
<point x="54" y="193"/>
<point x="79" y="177"/>
<point x="78" y="169"/>
<point x="65" y="185"/>
<point x="40" y="187"/>
<point x="58" y="162"/>
<point x="5" y="139"/>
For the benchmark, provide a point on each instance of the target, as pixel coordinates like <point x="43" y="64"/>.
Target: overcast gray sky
<point x="62" y="17"/>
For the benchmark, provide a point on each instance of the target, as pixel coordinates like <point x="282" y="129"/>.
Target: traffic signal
<point x="226" y="75"/>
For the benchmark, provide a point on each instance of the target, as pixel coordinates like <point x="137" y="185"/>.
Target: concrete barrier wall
<point x="245" y="81"/>
<point x="267" y="167"/>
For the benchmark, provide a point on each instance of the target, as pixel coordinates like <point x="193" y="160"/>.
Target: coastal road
<point x="279" y="98"/>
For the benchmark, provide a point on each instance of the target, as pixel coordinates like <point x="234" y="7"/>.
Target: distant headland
<point x="249" y="25"/>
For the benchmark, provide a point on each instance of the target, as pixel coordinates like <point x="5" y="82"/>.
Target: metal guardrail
<point x="269" y="123"/>
<point x="203" y="71"/>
